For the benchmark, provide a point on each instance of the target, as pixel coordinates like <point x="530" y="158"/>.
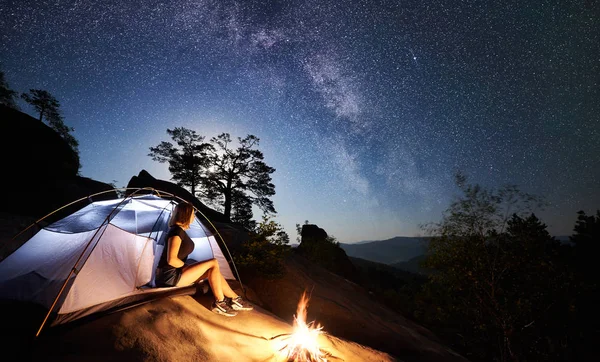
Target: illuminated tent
<point x="100" y="258"/>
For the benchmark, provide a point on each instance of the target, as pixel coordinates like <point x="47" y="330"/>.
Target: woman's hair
<point x="182" y="214"/>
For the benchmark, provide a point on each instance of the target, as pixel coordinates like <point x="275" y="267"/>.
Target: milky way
<point x="365" y="108"/>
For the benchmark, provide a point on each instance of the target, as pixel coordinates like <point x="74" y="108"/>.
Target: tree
<point x="44" y="103"/>
<point x="495" y="273"/>
<point x="587" y="237"/>
<point x="49" y="110"/>
<point x="238" y="173"/>
<point x="231" y="178"/>
<point x="586" y="247"/>
<point x="241" y="211"/>
<point x="187" y="161"/>
<point x="7" y="95"/>
<point x="55" y="121"/>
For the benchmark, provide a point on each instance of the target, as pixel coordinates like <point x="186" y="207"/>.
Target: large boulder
<point x="318" y="247"/>
<point x="312" y="235"/>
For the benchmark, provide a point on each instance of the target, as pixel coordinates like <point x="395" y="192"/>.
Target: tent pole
<point x="79" y="259"/>
<point x="74" y="270"/>
<point x="55" y="300"/>
<point x="57" y="210"/>
<point x="226" y="248"/>
<point x="78" y="200"/>
<point x="216" y="231"/>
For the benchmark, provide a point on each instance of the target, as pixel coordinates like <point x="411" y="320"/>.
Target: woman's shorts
<point x="167" y="276"/>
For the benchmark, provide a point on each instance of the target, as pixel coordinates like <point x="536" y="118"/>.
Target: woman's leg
<point x="227" y="291"/>
<point x="192" y="273"/>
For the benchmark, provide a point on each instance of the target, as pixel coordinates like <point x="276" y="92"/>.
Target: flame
<point x="302" y="345"/>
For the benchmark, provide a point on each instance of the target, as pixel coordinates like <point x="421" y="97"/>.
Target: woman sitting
<point x="173" y="272"/>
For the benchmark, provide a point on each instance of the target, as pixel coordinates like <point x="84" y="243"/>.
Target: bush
<point x="264" y="253"/>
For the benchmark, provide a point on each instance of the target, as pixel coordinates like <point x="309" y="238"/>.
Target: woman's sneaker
<point x="239" y="303"/>
<point x="223" y="308"/>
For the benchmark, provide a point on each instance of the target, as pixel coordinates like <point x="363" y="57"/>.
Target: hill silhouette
<point x="412" y="265"/>
<point x="43" y="166"/>
<point x="394" y="250"/>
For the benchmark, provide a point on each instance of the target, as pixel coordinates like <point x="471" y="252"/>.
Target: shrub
<point x="264" y="253"/>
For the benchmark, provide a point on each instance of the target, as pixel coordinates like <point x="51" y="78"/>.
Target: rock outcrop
<point x="145" y="179"/>
<point x="30" y="147"/>
<point x="316" y="246"/>
<point x="233" y="234"/>
<point x="40" y="169"/>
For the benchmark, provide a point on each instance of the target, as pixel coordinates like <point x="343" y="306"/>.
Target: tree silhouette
<point x="43" y="102"/>
<point x="7" y="95"/>
<point x="49" y="110"/>
<point x="496" y="274"/>
<point x="587" y="234"/>
<point x="241" y="210"/>
<point x="238" y="174"/>
<point x="586" y="246"/>
<point x="231" y="178"/>
<point x="187" y="160"/>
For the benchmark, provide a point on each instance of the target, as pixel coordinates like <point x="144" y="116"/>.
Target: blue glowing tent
<point x="100" y="258"/>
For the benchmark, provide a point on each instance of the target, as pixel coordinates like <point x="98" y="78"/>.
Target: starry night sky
<point x="365" y="108"/>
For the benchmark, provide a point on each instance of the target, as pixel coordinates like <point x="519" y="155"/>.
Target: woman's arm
<point x="173" y="245"/>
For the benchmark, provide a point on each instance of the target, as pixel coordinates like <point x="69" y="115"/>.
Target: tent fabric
<point x="108" y="251"/>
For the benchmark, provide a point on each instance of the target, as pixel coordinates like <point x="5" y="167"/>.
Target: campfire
<point x="302" y="345"/>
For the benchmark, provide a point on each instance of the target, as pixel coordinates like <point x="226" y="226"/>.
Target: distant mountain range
<point x="401" y="252"/>
<point x="395" y="250"/>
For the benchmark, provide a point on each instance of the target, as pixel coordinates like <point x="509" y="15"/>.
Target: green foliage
<point x="230" y="178"/>
<point x="7" y="95"/>
<point x="266" y="250"/>
<point x="497" y="276"/>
